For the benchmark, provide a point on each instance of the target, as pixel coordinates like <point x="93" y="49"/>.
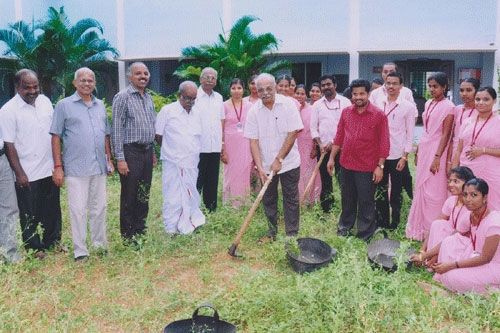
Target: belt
<point x="2" y="151"/>
<point x="144" y="146"/>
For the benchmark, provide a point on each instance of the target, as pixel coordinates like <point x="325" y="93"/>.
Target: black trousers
<point x="39" y="205"/>
<point x="134" y="198"/>
<point x="208" y="179"/>
<point x="358" y="203"/>
<point x="407" y="181"/>
<point x="326" y="197"/>
<point x="290" y="189"/>
<point x="382" y="199"/>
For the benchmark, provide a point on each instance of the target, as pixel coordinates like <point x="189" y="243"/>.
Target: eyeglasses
<point x="188" y="99"/>
<point x="209" y="77"/>
<point x="395" y="84"/>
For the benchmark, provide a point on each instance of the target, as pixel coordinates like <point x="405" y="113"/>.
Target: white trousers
<point x="181" y="200"/>
<point x="87" y="198"/>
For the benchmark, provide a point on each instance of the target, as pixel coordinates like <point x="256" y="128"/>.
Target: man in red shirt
<point x="363" y="139"/>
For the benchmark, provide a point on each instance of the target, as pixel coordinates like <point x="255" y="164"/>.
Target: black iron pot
<point x="313" y="254"/>
<point x="382" y="252"/>
<point x="201" y="324"/>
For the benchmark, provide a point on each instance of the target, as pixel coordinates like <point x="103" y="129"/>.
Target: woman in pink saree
<point x="479" y="144"/>
<point x="306" y="148"/>
<point x="462" y="112"/>
<point x="237" y="157"/>
<point x="431" y="159"/>
<point x="471" y="263"/>
<point x="454" y="218"/>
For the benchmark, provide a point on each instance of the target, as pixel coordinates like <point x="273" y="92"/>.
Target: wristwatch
<point x="381" y="166"/>
<point x="279" y="159"/>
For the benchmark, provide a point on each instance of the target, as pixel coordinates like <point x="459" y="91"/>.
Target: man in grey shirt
<point x="80" y="122"/>
<point x="133" y="132"/>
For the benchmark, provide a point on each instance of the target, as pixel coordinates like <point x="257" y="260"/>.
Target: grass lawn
<point x="143" y="290"/>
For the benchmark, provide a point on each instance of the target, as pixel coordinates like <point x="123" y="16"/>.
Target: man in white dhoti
<point x="178" y="131"/>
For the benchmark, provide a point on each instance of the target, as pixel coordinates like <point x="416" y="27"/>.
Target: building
<point x="350" y="38"/>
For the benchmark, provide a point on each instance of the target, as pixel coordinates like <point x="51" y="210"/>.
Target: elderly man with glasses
<point x="81" y="127"/>
<point x="178" y="131"/>
<point x="210" y="107"/>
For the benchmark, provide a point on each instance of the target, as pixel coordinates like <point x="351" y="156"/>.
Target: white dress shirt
<point x="211" y="112"/>
<point x="379" y="95"/>
<point x="27" y="127"/>
<point x="181" y="132"/>
<point x="325" y="117"/>
<point x="271" y="127"/>
<point x="401" y="120"/>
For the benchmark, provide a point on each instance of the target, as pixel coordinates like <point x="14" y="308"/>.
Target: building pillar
<point x="496" y="69"/>
<point x="120" y="43"/>
<point x="227" y="16"/>
<point x="18" y="10"/>
<point x="353" y="40"/>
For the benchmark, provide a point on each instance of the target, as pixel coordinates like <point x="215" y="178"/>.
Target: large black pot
<point x="201" y="324"/>
<point x="382" y="252"/>
<point x="313" y="254"/>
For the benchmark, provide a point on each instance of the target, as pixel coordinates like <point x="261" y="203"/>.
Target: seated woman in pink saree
<point x="431" y="159"/>
<point x="454" y="218"/>
<point x="471" y="263"/>
<point x="479" y="144"/>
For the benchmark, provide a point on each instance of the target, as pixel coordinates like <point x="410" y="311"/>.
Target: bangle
<point x="58" y="166"/>
<point x="449" y="162"/>
<point x="456" y="264"/>
<point x="404" y="158"/>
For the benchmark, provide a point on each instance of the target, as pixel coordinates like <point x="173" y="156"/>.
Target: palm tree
<point x="55" y="49"/>
<point x="241" y="55"/>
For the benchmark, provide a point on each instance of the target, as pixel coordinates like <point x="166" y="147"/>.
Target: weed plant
<point x="165" y="278"/>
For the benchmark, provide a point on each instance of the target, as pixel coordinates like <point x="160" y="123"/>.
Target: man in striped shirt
<point x="132" y="137"/>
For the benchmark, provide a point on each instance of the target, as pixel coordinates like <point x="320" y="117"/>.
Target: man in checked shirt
<point x="132" y="137"/>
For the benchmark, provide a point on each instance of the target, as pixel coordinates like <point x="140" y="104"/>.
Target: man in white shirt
<point x="324" y="120"/>
<point x="272" y="126"/>
<point x="378" y="96"/>
<point x="8" y="210"/>
<point x="178" y="131"/>
<point x="400" y="115"/>
<point x="209" y="107"/>
<point x="25" y="122"/>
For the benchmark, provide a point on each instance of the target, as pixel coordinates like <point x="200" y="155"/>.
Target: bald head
<point x="22" y="73"/>
<point x="138" y="75"/>
<point x="26" y="82"/>
<point x="187" y="94"/>
<point x="83" y="70"/>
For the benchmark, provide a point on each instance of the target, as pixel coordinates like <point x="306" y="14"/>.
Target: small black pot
<point x="314" y="254"/>
<point x="201" y="324"/>
<point x="382" y="252"/>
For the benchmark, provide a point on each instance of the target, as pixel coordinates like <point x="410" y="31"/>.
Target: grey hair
<point x="207" y="70"/>
<point x="265" y="77"/>
<point x="21" y="74"/>
<point x="186" y="84"/>
<point x="137" y="63"/>
<point x="83" y="70"/>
